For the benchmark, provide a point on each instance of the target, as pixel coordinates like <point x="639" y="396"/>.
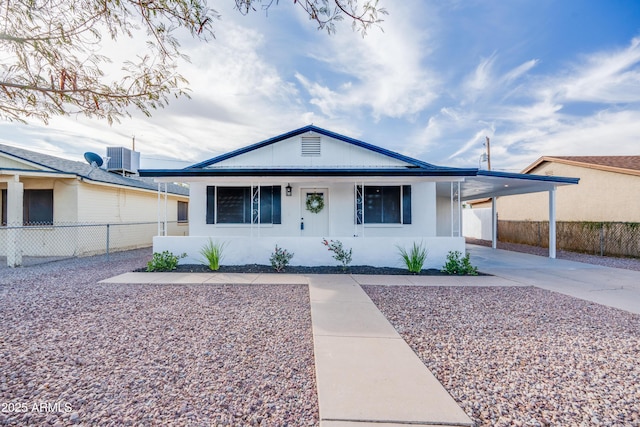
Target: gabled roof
<point x="414" y="167"/>
<point x="475" y="183"/>
<point x="307" y="129"/>
<point x="620" y="164"/>
<point x="51" y="164"/>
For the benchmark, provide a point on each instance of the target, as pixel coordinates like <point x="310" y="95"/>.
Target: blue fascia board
<point x="546" y="178"/>
<point x="55" y="171"/>
<point x="291" y="172"/>
<point x="311" y="128"/>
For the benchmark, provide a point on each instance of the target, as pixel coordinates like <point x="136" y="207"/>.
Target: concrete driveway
<point x="613" y="287"/>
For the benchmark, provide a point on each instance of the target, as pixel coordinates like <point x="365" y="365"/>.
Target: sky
<point x="538" y="77"/>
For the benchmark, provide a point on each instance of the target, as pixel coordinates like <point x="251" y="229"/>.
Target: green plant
<point x="212" y="252"/>
<point x="280" y="259"/>
<point x="164" y="261"/>
<point x="339" y="253"/>
<point x="456" y="264"/>
<point x="414" y="258"/>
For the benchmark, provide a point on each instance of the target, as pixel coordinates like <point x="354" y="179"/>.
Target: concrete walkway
<point x="366" y="373"/>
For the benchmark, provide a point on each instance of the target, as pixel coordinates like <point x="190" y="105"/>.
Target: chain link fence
<point x="621" y="239"/>
<point x="35" y="244"/>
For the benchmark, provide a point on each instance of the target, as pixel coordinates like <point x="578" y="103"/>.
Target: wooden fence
<point x="599" y="238"/>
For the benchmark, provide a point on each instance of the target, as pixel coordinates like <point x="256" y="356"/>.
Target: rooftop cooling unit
<point x="123" y="160"/>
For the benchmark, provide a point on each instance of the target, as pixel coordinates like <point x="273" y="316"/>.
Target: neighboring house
<point x="297" y="188"/>
<point x="40" y="194"/>
<point x="599" y="216"/>
<point x="609" y="190"/>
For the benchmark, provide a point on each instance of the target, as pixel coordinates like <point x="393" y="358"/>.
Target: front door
<point x="314" y="212"/>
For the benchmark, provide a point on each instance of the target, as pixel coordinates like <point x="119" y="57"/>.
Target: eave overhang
<point x="308" y="172"/>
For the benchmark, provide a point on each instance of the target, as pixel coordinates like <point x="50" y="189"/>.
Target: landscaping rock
<point x="522" y="356"/>
<point x="122" y="354"/>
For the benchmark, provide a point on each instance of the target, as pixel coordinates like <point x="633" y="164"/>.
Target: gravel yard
<point x="73" y="351"/>
<point x="522" y="356"/>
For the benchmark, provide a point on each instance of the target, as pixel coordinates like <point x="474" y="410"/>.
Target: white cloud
<point x="482" y="77"/>
<point x="608" y="77"/>
<point x="384" y="73"/>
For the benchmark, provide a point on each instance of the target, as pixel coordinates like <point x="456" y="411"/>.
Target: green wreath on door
<point x="315" y="202"/>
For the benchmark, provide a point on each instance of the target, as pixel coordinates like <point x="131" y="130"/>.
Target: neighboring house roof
<point x="621" y="164"/>
<point x="52" y="164"/>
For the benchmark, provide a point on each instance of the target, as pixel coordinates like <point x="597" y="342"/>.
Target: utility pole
<point x="488" y="153"/>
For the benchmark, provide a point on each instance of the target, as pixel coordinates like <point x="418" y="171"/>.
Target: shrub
<point x="460" y="266"/>
<point x="339" y="253"/>
<point x="164" y="261"/>
<point x="414" y="258"/>
<point x="212" y="252"/>
<point x="280" y="259"/>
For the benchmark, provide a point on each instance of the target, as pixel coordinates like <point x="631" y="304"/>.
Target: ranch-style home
<point x="300" y="187"/>
<point x="51" y="207"/>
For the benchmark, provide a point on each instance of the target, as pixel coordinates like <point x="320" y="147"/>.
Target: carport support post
<point x="494" y="222"/>
<point x="552" y="222"/>
<point x="15" y="194"/>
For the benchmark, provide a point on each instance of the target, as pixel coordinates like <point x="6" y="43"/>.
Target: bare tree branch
<point x="49" y="61"/>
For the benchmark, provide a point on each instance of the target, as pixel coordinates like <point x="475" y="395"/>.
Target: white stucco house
<point x="369" y="198"/>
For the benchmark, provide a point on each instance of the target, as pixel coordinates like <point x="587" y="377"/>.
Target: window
<point x="183" y="212"/>
<point x="37" y="207"/>
<point x="240" y="205"/>
<point x="3" y="212"/>
<point x="383" y="204"/>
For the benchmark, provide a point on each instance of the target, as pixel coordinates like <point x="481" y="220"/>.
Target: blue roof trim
<point x="55" y="172"/>
<point x="246" y="172"/>
<point x="311" y="128"/>
<point x="545" y="178"/>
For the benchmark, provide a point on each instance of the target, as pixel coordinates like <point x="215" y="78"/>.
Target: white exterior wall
<point x="477" y="223"/>
<point x="309" y="251"/>
<point x="334" y="153"/>
<point x="340" y="206"/>
<point x="443" y="212"/>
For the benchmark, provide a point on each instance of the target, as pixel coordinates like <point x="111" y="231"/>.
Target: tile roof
<point x="87" y="171"/>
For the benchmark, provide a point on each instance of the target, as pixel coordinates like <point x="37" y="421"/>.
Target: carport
<point x="492" y="184"/>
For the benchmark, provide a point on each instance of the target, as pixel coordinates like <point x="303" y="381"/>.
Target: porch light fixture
<point x="288" y="188"/>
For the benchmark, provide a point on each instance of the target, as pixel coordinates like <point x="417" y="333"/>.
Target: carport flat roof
<point x="495" y="184"/>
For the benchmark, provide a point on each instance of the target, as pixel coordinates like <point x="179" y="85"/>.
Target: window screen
<point x="383" y="204"/>
<point x="37" y="207"/>
<point x="239" y="205"/>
